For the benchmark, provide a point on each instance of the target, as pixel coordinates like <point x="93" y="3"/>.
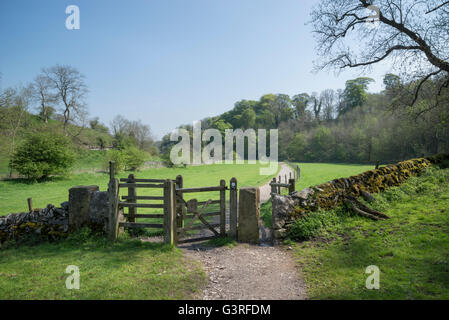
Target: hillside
<point x="88" y="142"/>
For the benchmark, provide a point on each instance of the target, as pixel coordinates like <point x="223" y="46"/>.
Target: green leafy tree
<point x="355" y="94"/>
<point x="42" y="155"/>
<point x="134" y="158"/>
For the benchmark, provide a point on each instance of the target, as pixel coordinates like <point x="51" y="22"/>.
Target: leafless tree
<point x="71" y="90"/>
<point x="140" y="133"/>
<point x="14" y="105"/>
<point x="317" y="104"/>
<point x="42" y="93"/>
<point x="328" y="97"/>
<point x="412" y="35"/>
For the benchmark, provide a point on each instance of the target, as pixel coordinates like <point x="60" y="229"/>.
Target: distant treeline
<point x="349" y="125"/>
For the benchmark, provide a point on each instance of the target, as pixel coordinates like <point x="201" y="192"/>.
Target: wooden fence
<point x="289" y="181"/>
<point x="179" y="216"/>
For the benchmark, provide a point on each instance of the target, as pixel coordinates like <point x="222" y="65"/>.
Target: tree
<point x="128" y="133"/>
<point x="413" y="35"/>
<point x="42" y="155"/>
<point x="41" y="90"/>
<point x="71" y="91"/>
<point x="355" y="94"/>
<point x="317" y="104"/>
<point x="328" y="99"/>
<point x="248" y="119"/>
<point x="300" y="102"/>
<point x="13" y="113"/>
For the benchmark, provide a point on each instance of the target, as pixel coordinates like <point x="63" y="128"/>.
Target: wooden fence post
<point x="223" y="208"/>
<point x="291" y="187"/>
<point x="233" y="208"/>
<point x="132" y="211"/>
<point x="180" y="208"/>
<point x="113" y="197"/>
<point x="273" y="187"/>
<point x="170" y="230"/>
<point x="30" y="204"/>
<point x="279" y="187"/>
<point x="111" y="170"/>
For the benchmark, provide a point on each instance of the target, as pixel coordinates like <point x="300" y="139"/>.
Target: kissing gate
<point x="181" y="217"/>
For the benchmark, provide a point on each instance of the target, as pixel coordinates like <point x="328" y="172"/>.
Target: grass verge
<point x="411" y="249"/>
<point x="127" y="269"/>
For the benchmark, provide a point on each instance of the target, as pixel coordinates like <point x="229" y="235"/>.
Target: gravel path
<point x="249" y="272"/>
<point x="265" y="190"/>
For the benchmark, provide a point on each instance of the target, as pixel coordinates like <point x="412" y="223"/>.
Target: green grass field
<point x="13" y="193"/>
<point x="313" y="174"/>
<point x="317" y="173"/>
<point x="411" y="249"/>
<point x="127" y="269"/>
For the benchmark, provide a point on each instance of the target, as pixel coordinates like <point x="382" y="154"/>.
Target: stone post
<point x="249" y="213"/>
<point x="79" y="203"/>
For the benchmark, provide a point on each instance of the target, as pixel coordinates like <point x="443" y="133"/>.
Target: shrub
<point x="42" y="155"/>
<point x="130" y="158"/>
<point x="134" y="158"/>
<point x="118" y="157"/>
<point x="310" y="225"/>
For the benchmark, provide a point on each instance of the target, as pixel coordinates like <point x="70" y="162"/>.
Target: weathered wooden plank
<point x="141" y="225"/>
<point x="170" y="235"/>
<point x="136" y="185"/>
<point x="282" y="185"/>
<point x="132" y="198"/>
<point x="128" y="180"/>
<point x="143" y="198"/>
<point x="147" y="216"/>
<point x="140" y="205"/>
<point x="197" y="239"/>
<point x="201" y="189"/>
<point x="212" y="202"/>
<point x="233" y="208"/>
<point x="200" y="227"/>
<point x="208" y="214"/>
<point x="222" y="208"/>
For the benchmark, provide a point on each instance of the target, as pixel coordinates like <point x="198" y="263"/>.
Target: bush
<point x="42" y="155"/>
<point x="310" y="225"/>
<point x="134" y="158"/>
<point x="118" y="157"/>
<point x="130" y="158"/>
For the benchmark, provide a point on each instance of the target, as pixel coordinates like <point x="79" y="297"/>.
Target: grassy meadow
<point x="313" y="174"/>
<point x="317" y="173"/>
<point x="411" y="249"/>
<point x="126" y="269"/>
<point x="13" y="193"/>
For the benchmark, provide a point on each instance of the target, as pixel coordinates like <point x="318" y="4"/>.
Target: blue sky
<point x="168" y="62"/>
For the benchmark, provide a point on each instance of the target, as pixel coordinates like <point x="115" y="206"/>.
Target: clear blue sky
<point x="168" y="62"/>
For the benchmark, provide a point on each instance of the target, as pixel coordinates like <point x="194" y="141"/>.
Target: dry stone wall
<point x="87" y="206"/>
<point x="287" y="209"/>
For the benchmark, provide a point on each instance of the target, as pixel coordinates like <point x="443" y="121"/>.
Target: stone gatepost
<point x="248" y="216"/>
<point x="79" y="204"/>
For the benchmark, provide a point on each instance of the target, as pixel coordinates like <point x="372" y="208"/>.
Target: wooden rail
<point x="175" y="208"/>
<point x="140" y="225"/>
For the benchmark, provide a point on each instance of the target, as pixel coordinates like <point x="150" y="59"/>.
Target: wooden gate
<point x="178" y="217"/>
<point x="192" y="215"/>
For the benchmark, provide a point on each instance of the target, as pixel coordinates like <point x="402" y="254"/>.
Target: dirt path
<point x="249" y="272"/>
